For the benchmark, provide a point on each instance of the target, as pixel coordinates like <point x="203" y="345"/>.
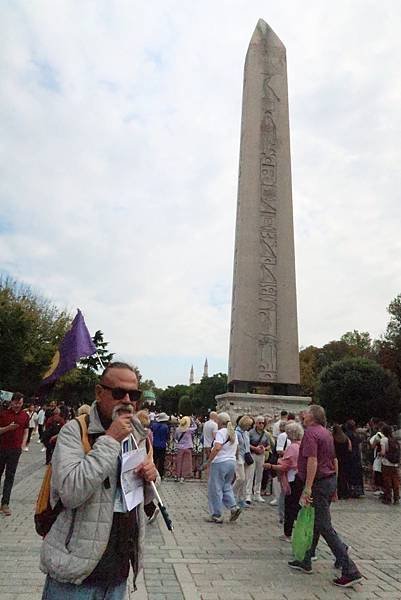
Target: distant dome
<point x="148" y="395"/>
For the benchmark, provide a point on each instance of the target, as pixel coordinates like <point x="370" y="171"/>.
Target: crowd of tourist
<point x="294" y="459"/>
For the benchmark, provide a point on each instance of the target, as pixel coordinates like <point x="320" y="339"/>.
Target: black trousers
<point x="40" y="431"/>
<point x="8" y="461"/>
<point x="291" y="505"/>
<point x="159" y="455"/>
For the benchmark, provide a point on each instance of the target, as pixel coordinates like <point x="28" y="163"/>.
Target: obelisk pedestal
<point x="264" y="354"/>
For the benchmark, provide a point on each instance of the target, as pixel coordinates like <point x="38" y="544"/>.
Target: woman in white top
<point x="222" y="461"/>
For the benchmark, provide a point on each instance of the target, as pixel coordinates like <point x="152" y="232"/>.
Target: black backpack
<point x="393" y="452"/>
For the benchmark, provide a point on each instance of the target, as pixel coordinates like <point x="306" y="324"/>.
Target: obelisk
<point x="264" y="354"/>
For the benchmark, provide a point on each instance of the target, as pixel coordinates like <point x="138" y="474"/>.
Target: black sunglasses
<point x="120" y="393"/>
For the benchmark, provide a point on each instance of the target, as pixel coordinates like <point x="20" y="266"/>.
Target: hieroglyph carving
<point x="267" y="301"/>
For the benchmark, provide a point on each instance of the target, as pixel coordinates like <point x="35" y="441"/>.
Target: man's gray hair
<point x="116" y="365"/>
<point x="294" y="431"/>
<point x="318" y="414"/>
<point x="260" y="418"/>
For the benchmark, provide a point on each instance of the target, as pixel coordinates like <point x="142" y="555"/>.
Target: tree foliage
<point x="204" y="393"/>
<point x="97" y="362"/>
<point x="185" y="406"/>
<point x="31" y="328"/>
<point x="358" y="388"/>
<point x="169" y="398"/>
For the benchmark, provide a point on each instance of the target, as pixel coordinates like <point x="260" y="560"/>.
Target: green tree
<point x="358" y="342"/>
<point x="31" y="328"/>
<point x="388" y="349"/>
<point x="358" y="388"/>
<point x="309" y="372"/>
<point x="169" y="398"/>
<point x="92" y="363"/>
<point x="185" y="406"/>
<point x="205" y="392"/>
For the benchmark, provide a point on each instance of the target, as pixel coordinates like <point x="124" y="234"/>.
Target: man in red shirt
<point x="14" y="430"/>
<point x="317" y="470"/>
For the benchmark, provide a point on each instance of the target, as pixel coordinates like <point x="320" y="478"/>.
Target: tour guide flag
<point x="77" y="343"/>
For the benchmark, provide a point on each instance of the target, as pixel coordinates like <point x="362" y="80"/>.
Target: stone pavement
<point x="206" y="561"/>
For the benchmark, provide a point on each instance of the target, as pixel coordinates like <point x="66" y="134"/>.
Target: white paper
<point x="131" y="483"/>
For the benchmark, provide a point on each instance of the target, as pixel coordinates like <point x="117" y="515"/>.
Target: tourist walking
<point x="390" y="454"/>
<point x="259" y="440"/>
<point x="32" y="424"/>
<point x="343" y="450"/>
<point x="161" y="432"/>
<point x="52" y="429"/>
<point x="317" y="466"/>
<point x="291" y="485"/>
<point x="244" y="459"/>
<point x="222" y="460"/>
<point x="13" y="436"/>
<point x="184" y="445"/>
<point x="41" y="422"/>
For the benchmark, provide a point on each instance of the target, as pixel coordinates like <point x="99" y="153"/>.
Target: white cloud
<point x="120" y="140"/>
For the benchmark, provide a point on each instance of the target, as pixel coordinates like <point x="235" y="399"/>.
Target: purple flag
<point x="77" y="343"/>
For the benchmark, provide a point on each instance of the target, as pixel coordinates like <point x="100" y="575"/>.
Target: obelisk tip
<point x="264" y="32"/>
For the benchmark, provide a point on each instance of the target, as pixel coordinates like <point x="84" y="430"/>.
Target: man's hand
<point x="121" y="427"/>
<point x="12" y="427"/>
<point x="261" y="449"/>
<point x="306" y="498"/>
<point x="147" y="470"/>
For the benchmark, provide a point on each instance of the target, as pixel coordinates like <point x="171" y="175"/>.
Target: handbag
<point x="248" y="458"/>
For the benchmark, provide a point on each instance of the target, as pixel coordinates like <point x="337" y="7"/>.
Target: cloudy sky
<point x="119" y="141"/>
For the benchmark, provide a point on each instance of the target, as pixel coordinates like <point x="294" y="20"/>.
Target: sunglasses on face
<point x="120" y="393"/>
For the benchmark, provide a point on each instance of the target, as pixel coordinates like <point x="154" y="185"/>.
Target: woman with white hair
<point x="222" y="461"/>
<point x="286" y="469"/>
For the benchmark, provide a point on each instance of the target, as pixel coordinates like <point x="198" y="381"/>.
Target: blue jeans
<point x="54" y="590"/>
<point x="219" y="488"/>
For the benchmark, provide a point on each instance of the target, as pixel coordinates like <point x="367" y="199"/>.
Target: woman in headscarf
<point x="222" y="460"/>
<point x="184" y="445"/>
<point x="343" y="448"/>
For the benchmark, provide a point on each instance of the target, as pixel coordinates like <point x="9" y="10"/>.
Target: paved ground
<point x="205" y="561"/>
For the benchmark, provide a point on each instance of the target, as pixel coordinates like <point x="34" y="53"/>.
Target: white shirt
<point x="281" y="445"/>
<point x="33" y="420"/>
<point x="209" y="431"/>
<point x="375" y="439"/>
<point x="227" y="450"/>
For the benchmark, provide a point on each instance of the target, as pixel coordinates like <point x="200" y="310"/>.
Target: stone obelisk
<point x="264" y="356"/>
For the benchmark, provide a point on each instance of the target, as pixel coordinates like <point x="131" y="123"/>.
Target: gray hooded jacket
<point x="86" y="486"/>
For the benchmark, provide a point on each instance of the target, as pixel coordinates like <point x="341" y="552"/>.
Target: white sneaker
<point x="377" y="493"/>
<point x="273" y="502"/>
<point x="38" y="441"/>
<point x="248" y="499"/>
<point x="26" y="449"/>
<point x="259" y="499"/>
<point x="43" y="449"/>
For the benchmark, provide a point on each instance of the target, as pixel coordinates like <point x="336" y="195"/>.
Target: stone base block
<point x="236" y="404"/>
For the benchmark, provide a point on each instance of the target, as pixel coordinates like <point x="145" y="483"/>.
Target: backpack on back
<point x="45" y="515"/>
<point x="393" y="451"/>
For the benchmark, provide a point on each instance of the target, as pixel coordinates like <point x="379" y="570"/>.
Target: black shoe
<point x="300" y="566"/>
<point x="347" y="580"/>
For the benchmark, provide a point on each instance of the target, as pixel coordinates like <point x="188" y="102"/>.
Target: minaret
<point x="191" y="375"/>
<point x="206" y="369"/>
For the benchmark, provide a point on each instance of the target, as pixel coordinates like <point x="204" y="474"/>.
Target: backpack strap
<point x="83" y="422"/>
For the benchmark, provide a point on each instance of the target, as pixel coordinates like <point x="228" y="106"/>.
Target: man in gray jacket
<point x="88" y="551"/>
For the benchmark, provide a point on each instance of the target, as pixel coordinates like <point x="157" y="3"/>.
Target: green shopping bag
<point x="302" y="534"/>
